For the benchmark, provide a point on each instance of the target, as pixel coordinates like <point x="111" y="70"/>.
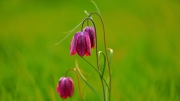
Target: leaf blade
<point x="87" y="83"/>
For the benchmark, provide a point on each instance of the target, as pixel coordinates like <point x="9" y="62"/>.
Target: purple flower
<point x="81" y="44"/>
<point x="91" y="32"/>
<point x="65" y="87"/>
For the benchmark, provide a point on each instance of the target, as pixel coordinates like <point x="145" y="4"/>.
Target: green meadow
<point x="145" y="37"/>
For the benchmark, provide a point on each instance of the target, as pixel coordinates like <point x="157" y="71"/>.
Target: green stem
<point x="87" y="82"/>
<point x="97" y="72"/>
<point x="105" y="50"/>
<point x="73" y="69"/>
<point x="97" y="60"/>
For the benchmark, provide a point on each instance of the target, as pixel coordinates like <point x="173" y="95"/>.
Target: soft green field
<point x="145" y="37"/>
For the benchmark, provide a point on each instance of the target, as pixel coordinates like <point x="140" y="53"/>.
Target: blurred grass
<point x="144" y="35"/>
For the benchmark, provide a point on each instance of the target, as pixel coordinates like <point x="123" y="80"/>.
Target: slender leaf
<point x="87" y="82"/>
<point x="98" y="72"/>
<point x="96" y="6"/>
<point x="111" y="54"/>
<point x="104" y="66"/>
<point x="69" y="33"/>
<point x="88" y="14"/>
<point x="93" y="66"/>
<point x="108" y="80"/>
<point x="85" y="85"/>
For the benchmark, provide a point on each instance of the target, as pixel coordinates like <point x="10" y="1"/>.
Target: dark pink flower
<point x="81" y="44"/>
<point x="65" y="87"/>
<point x="91" y="32"/>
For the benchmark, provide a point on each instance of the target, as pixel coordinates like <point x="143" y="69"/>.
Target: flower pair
<point x="83" y="41"/>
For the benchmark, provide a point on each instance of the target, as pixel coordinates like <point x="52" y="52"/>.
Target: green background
<point x="145" y="37"/>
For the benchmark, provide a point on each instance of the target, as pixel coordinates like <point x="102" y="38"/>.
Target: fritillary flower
<point x="81" y="44"/>
<point x="65" y="87"/>
<point x="90" y="30"/>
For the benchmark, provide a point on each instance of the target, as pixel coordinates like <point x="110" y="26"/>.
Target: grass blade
<point x="85" y="85"/>
<point x="96" y="6"/>
<point x="69" y="33"/>
<point x="87" y="82"/>
<point x="111" y="54"/>
<point x="104" y="66"/>
<point x="98" y="72"/>
<point x="107" y="88"/>
<point x="88" y="14"/>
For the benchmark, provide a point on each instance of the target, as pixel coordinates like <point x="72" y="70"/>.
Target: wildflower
<point x="65" y="87"/>
<point x="91" y="32"/>
<point x="81" y="44"/>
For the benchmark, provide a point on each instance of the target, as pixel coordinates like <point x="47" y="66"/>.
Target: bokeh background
<point x="145" y="37"/>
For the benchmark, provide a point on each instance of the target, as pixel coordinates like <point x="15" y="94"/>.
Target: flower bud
<point x="65" y="87"/>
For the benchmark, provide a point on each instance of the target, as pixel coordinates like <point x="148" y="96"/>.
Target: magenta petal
<point x="73" y="44"/>
<point x="71" y="87"/>
<point x="91" y="32"/>
<point x="81" y="44"/>
<point x="65" y="87"/>
<point x="72" y="47"/>
<point x="88" y="45"/>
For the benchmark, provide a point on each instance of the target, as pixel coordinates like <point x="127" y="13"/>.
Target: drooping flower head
<point x="65" y="87"/>
<point x="81" y="44"/>
<point x="90" y="30"/>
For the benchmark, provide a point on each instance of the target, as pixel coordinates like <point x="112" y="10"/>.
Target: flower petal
<point x="65" y="87"/>
<point x="73" y="44"/>
<point x="81" y="44"/>
<point x="90" y="30"/>
<point x="88" y="45"/>
<point x="71" y="87"/>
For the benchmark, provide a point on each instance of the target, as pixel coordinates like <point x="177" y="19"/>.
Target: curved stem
<point x="97" y="72"/>
<point x="88" y="18"/>
<point x="97" y="60"/>
<point x="105" y="50"/>
<point x="73" y="69"/>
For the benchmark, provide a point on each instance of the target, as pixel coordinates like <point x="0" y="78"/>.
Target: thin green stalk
<point x="97" y="72"/>
<point x="81" y="75"/>
<point x="96" y="6"/>
<point x="97" y="60"/>
<point x="105" y="50"/>
<point x="69" y="33"/>
<point x="73" y="69"/>
<point x="86" y="85"/>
